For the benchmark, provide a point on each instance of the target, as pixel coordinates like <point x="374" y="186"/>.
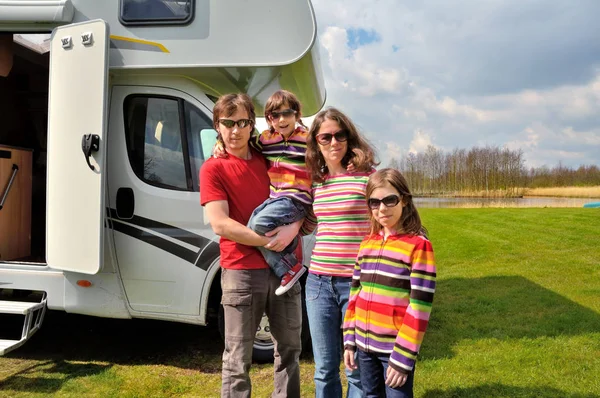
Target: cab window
<point x="167" y="140"/>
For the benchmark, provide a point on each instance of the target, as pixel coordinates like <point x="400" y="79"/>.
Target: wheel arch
<point x="211" y="292"/>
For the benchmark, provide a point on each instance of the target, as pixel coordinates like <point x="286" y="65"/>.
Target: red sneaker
<point x="290" y="278"/>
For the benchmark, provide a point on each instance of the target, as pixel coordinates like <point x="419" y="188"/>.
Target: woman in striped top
<point x="342" y="222"/>
<point x="392" y="291"/>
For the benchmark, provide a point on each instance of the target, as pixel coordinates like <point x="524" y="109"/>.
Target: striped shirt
<point x="342" y="214"/>
<point x="288" y="174"/>
<point x="390" y="297"/>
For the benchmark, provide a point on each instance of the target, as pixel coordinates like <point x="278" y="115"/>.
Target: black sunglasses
<point x="285" y="113"/>
<point x="230" y="123"/>
<point x="325" y="138"/>
<point x="388" y="201"/>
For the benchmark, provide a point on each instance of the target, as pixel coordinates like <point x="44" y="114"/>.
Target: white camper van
<point x="104" y="127"/>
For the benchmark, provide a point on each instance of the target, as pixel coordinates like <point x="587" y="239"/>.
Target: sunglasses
<point x="230" y="123"/>
<point x="285" y="113"/>
<point x="325" y="138"/>
<point x="388" y="201"/>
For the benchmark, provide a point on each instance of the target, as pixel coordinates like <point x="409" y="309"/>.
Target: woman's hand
<point x="349" y="360"/>
<point x="219" y="150"/>
<point x="283" y="236"/>
<point x="394" y="378"/>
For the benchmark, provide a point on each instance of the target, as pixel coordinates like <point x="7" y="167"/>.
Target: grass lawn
<point x="516" y="314"/>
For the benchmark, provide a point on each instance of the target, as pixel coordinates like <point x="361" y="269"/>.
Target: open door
<point x="77" y="147"/>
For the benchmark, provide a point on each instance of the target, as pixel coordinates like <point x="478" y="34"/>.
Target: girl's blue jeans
<point x="373" y="368"/>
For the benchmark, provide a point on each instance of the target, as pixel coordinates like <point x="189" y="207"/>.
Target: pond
<point x="503" y="202"/>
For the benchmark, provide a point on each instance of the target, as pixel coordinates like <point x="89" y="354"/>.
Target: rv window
<point x="156" y="143"/>
<point x="148" y="12"/>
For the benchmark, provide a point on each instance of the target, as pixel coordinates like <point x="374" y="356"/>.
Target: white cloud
<point x="420" y="142"/>
<point x="356" y="66"/>
<point x="393" y="150"/>
<point x="585" y="137"/>
<point x="530" y="140"/>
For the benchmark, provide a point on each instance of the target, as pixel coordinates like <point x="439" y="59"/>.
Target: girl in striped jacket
<point x="392" y="290"/>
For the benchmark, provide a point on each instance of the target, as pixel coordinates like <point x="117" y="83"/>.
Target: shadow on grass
<point x="71" y="337"/>
<point x="502" y="307"/>
<point x="500" y="390"/>
<point x="48" y="377"/>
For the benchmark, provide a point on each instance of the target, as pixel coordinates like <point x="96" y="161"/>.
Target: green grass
<point x="516" y="314"/>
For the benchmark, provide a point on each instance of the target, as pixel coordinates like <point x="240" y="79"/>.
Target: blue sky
<point x="458" y="74"/>
<point x="358" y="37"/>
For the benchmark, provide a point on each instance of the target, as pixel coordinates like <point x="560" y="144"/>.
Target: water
<point x="503" y="202"/>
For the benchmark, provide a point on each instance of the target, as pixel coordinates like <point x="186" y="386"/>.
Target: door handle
<point x="90" y="143"/>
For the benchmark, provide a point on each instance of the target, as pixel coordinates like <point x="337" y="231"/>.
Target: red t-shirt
<point x="244" y="184"/>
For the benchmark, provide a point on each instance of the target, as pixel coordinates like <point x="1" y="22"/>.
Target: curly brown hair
<point x="360" y="153"/>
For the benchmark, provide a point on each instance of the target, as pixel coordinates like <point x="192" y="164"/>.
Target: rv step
<point x="9" y="345"/>
<point x="34" y="316"/>
<point x="18" y="307"/>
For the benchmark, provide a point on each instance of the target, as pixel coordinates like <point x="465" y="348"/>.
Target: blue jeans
<point x="373" y="368"/>
<point x="326" y="303"/>
<point x="273" y="213"/>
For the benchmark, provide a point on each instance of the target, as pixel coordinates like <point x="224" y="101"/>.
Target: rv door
<point x="77" y="146"/>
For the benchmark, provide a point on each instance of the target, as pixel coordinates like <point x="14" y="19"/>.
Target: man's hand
<point x="395" y="379"/>
<point x="283" y="236"/>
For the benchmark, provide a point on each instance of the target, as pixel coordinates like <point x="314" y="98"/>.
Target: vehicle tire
<point x="263" y="349"/>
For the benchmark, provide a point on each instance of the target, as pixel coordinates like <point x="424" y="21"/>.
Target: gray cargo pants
<point x="247" y="294"/>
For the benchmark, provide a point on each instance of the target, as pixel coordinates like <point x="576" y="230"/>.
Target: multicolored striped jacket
<point x="287" y="169"/>
<point x="390" y="297"/>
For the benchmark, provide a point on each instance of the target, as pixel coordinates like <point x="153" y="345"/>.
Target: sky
<point x="459" y="74"/>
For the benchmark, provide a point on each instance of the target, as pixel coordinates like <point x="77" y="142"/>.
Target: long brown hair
<point x="280" y="98"/>
<point x="359" y="152"/>
<point x="410" y="221"/>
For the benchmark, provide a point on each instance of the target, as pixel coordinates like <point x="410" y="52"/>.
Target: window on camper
<point x="165" y="140"/>
<point x="148" y="12"/>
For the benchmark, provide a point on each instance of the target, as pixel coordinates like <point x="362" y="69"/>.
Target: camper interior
<point x="23" y="137"/>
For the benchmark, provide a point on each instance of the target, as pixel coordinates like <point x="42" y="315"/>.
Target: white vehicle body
<point x="125" y="236"/>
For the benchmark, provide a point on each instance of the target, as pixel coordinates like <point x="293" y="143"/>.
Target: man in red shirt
<point x="230" y="189"/>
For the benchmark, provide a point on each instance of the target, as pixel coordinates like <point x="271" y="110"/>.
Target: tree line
<point x="484" y="169"/>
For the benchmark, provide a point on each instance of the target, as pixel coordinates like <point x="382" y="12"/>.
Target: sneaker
<point x="290" y="278"/>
